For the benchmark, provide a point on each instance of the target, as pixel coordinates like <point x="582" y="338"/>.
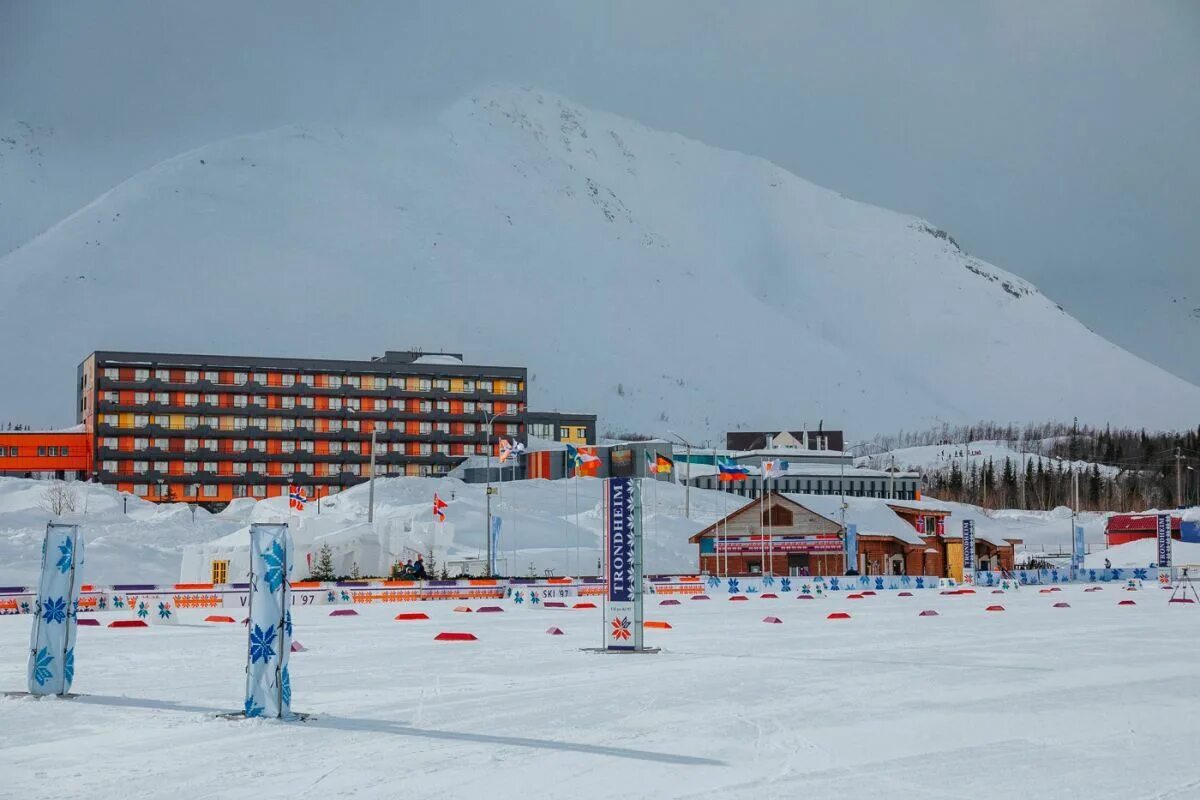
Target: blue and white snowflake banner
<point x="268" y="685"/>
<point x="1164" y="541"/>
<point x="52" y="645"/>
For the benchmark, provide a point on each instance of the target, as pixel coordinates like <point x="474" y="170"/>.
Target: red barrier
<point x="995" y="608"/>
<point x="298" y="648"/>
<point x="1094" y="589"/>
<point x="804" y="597"/>
<point x="584" y="605"/>
<point x="88" y="621"/>
<point x="1126" y="603"/>
<point x="344" y="612"/>
<point x="553" y="604"/>
<point x="867" y="594"/>
<point x="1173" y="600"/>
<point x="216" y="618"/>
<point x="769" y="596"/>
<point x="412" y="615"/>
<point x="554" y="631"/>
<point x="905" y="594"/>
<point x="997" y="591"/>
<point x="463" y="609"/>
<point x="737" y="598"/>
<point x="700" y="597"/>
<point x="488" y="610"/>
<point x="929" y="612"/>
<point x="454" y="637"/>
<point x="838" y="615"/>
<point x="854" y="597"/>
<point x="1062" y="605"/>
<point x="653" y="623"/>
<point x="127" y="623"/>
<point x="669" y="603"/>
<point x="773" y="620"/>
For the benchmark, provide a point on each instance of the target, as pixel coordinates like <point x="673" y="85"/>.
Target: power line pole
<point x="1178" y="477"/>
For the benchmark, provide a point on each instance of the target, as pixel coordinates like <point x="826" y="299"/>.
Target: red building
<point x="1125" y="528"/>
<point x="45" y="454"/>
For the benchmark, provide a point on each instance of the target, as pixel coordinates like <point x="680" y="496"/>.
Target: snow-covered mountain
<point x="660" y="282"/>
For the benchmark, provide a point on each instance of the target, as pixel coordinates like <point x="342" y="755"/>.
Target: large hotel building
<point x="208" y="429"/>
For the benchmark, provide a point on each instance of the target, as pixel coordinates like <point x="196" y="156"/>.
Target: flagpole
<point x="566" y="547"/>
<point x="762" y="511"/>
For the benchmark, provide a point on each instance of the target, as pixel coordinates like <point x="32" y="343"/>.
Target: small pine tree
<point x="324" y="568"/>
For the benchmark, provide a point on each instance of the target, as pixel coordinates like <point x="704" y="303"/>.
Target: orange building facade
<point x="45" y="454"/>
<point x="209" y="429"/>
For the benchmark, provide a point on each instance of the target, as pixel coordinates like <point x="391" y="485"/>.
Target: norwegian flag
<point x="297" y="498"/>
<point x="439" y="508"/>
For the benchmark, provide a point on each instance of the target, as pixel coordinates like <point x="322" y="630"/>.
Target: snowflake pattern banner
<point x="268" y="684"/>
<point x="52" y="645"/>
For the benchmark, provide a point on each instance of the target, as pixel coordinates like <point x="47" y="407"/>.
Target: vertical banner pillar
<point x="52" y="644"/>
<point x="622" y="628"/>
<point x="851" y="547"/>
<point x="638" y="616"/>
<point x="495" y="550"/>
<point x="1077" y="552"/>
<point x="1164" y="542"/>
<point x="968" y="551"/>
<point x="268" y="685"/>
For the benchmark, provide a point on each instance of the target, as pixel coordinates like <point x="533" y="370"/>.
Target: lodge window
<point x="260" y="378"/>
<point x="287" y="380"/>
<point x="140" y="490"/>
<point x="141" y="398"/>
<point x="161" y="466"/>
<point x="258" y="491"/>
<point x="112" y="373"/>
<point x="162" y="398"/>
<point x="108" y="466"/>
<point x="425" y="384"/>
<point x="162" y="375"/>
<point x="441" y="384"/>
<point x="485" y="386"/>
<point x="352" y="381"/>
<point x="191" y="376"/>
<point x="12" y="451"/>
<point x="212" y="376"/>
<point x="141" y="375"/>
<point x="210" y="490"/>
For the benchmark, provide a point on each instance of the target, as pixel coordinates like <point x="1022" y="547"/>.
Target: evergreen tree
<point x="324" y="569"/>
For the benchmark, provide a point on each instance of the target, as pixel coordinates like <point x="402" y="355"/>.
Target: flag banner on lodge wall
<point x="1164" y="540"/>
<point x="1077" y="551"/>
<point x="851" y="546"/>
<point x="968" y="551"/>
<point x="621" y="615"/>
<point x="815" y="543"/>
<point x="268" y="685"/>
<point x="52" y="645"/>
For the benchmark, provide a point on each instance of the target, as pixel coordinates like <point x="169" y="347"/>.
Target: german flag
<point x="662" y="464"/>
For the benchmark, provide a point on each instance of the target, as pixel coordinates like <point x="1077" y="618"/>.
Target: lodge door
<point x="797" y="564"/>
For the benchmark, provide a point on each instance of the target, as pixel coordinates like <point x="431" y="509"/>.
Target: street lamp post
<point x="687" y="483"/>
<point x="487" y="533"/>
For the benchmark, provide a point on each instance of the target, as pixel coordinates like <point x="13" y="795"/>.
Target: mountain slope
<point x="656" y="280"/>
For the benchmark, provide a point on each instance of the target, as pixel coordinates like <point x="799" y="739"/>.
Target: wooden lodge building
<point x="790" y="534"/>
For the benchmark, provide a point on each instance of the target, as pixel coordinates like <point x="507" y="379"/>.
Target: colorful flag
<point x="505" y="450"/>
<point x="583" y="462"/>
<point x="297" y="498"/>
<point x="663" y="464"/>
<point x="651" y="464"/>
<point x="730" y="471"/>
<point x="439" y="506"/>
<point x="773" y="468"/>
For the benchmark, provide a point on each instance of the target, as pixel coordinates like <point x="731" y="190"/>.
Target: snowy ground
<point x="1093" y="701"/>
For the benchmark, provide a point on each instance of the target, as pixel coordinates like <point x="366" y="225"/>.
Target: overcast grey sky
<point x="1059" y="139"/>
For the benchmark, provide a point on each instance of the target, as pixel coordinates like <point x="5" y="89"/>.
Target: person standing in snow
<point x="1107" y="564"/>
<point x="419" y="572"/>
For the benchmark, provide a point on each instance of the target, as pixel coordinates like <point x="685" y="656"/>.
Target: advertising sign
<point x="1164" y="540"/>
<point x="620" y="462"/>
<point x="268" y="684"/>
<point x="819" y="543"/>
<point x="624" y="591"/>
<point x="1077" y="550"/>
<point x="52" y="645"/>
<point x="968" y="550"/>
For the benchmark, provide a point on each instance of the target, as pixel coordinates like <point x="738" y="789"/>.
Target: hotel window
<point x="335" y="448"/>
<point x="212" y="399"/>
<point x="141" y="375"/>
<point x="485" y="386"/>
<point x="306" y="447"/>
<point x="161" y="466"/>
<point x="259" y="400"/>
<point x="426" y="448"/>
<point x="426" y="406"/>
<point x="41" y="452"/>
<point x="306" y="424"/>
<point x="109" y="441"/>
<point x="335" y="381"/>
<point x="141" y="398"/>
<point x="191" y="376"/>
<point x="441" y="384"/>
<point x="350" y="425"/>
<point x="239" y="423"/>
<point x="287" y="402"/>
<point x="191" y="445"/>
<point x="238" y="445"/>
<point x="335" y="426"/>
<point x="210" y="466"/>
<point x="469" y="428"/>
<point x="141" y="444"/>
<point x="543" y="430"/>
<point x="396" y="383"/>
<point x="260" y="445"/>
<point x="425" y="384"/>
<point x="442" y="427"/>
<point x="335" y="404"/>
<point x="239" y="401"/>
<point x="468" y="449"/>
<point x="511" y="409"/>
<point x="513" y="428"/>
<point x="259" y="467"/>
<point x="486" y="408"/>
<point x="162" y="374"/>
<point x="287" y="447"/>
<point x="443" y="405"/>
<point x="140" y="466"/>
<point x="210" y="444"/>
<point x="161" y="444"/>
<point x="306" y="402"/>
<point x="212" y="422"/>
<point x="210" y="490"/>
<point x="162" y="420"/>
<point x="112" y="397"/>
<point x="258" y="491"/>
<point x="426" y="427"/>
<point x="352" y="381"/>
<point x="258" y="422"/>
<point x="191" y="399"/>
<point x="442" y="449"/>
<point x="239" y="468"/>
<point x="140" y="490"/>
<point x="468" y="407"/>
<point x="239" y="490"/>
<point x="212" y="376"/>
<point x="353" y="404"/>
<point x="108" y="466"/>
<point x="468" y="385"/>
<point x="287" y="380"/>
<point x="287" y="424"/>
<point x="307" y="469"/>
<point x="259" y="377"/>
<point x="239" y="379"/>
<point x="162" y="398"/>
<point x="190" y="423"/>
<point x="141" y="420"/>
<point x="112" y="373"/>
<point x="307" y="380"/>
<point x="189" y="490"/>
